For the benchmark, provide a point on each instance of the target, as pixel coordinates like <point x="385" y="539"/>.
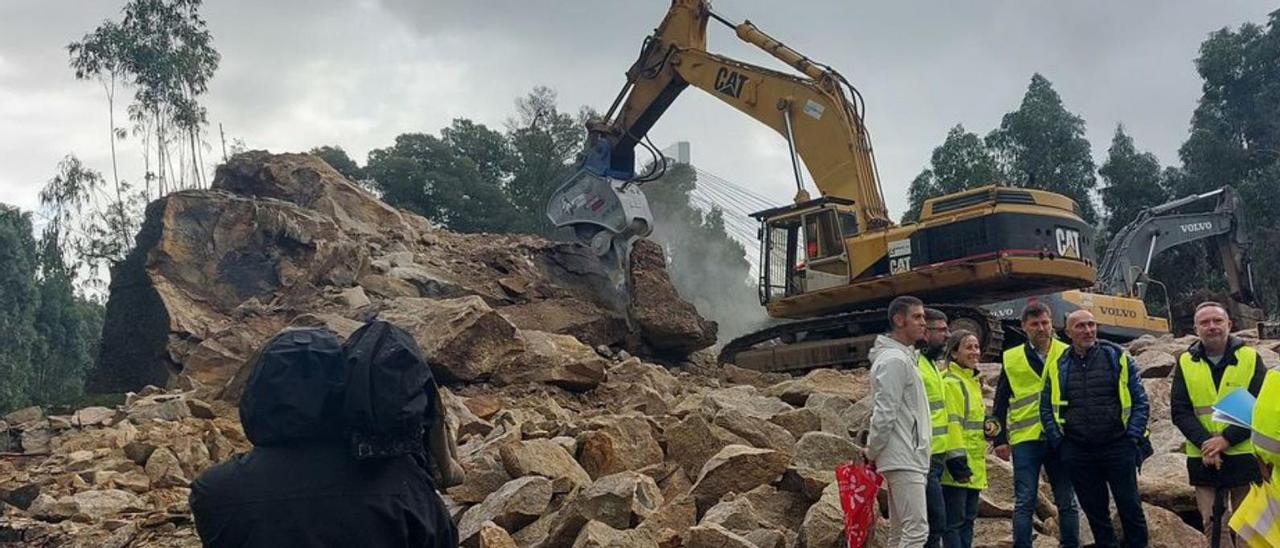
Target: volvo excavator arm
<point x="813" y="111"/>
<point x="1166" y="226"/>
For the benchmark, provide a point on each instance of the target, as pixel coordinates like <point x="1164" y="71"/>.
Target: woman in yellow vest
<point x="962" y="482"/>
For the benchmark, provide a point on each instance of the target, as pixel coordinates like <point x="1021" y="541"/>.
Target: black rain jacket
<point x="300" y="485"/>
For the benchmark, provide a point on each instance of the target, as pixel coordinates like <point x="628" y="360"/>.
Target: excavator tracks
<point x="843" y="340"/>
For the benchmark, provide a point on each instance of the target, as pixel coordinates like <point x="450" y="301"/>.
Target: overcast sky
<point x="356" y="73"/>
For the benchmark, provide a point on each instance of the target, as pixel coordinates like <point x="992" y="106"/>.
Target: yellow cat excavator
<point x="832" y="261"/>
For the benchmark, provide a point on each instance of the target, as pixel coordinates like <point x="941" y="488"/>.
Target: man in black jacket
<point x="1094" y="412"/>
<point x="1220" y="461"/>
<point x="300" y="485"/>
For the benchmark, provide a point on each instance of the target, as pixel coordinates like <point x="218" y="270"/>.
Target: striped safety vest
<point x="1023" y="423"/>
<point x="1266" y="422"/>
<point x="1203" y="393"/>
<point x="936" y="394"/>
<point x="966" y="413"/>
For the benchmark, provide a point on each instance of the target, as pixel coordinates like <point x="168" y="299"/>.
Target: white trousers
<point x="908" y="516"/>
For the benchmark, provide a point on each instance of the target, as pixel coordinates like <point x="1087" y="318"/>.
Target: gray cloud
<point x="299" y="74"/>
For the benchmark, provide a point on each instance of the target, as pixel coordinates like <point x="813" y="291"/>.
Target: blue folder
<point x="1235" y="408"/>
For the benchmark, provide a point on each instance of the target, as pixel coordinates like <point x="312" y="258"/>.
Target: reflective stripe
<point x="1206" y="410"/>
<point x="936" y="405"/>
<point x="1024" y="423"/>
<point x="1264" y="523"/>
<point x="1024" y="401"/>
<point x="940" y="430"/>
<point x="1266" y="442"/>
<point x="956" y="453"/>
<point x="973" y="425"/>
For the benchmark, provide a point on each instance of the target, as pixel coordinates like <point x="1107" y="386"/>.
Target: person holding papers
<point x="1220" y="460"/>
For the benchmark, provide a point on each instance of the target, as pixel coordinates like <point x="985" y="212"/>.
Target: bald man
<point x="1094" y="411"/>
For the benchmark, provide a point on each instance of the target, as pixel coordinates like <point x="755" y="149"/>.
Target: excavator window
<point x="822" y="235"/>
<point x="848" y="224"/>
<point x="782" y="262"/>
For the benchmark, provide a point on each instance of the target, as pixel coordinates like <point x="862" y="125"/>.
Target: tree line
<point x="50" y="333"/>
<point x="1233" y="139"/>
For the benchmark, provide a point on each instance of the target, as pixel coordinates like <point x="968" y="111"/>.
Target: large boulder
<point x="463" y="339"/>
<point x="710" y="535"/>
<point x="571" y="316"/>
<point x="621" y="500"/>
<point x="1164" y="483"/>
<point x="618" y="443"/>
<point x="817" y="455"/>
<point x="757" y="432"/>
<point x="823" y="525"/>
<point x="545" y="458"/>
<point x="777" y="509"/>
<point x="280" y="238"/>
<point x="744" y="399"/>
<point x="737" y="469"/>
<point x="735" y="513"/>
<point x="596" y="534"/>
<point x="850" y="385"/>
<point x="1155" y="364"/>
<point x="694" y="440"/>
<point x="511" y="507"/>
<point x="667" y="322"/>
<point x="557" y="360"/>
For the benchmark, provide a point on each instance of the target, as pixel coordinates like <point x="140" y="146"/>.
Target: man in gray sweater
<point x="900" y="430"/>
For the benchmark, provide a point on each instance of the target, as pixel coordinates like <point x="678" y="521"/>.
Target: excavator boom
<point x="826" y="260"/>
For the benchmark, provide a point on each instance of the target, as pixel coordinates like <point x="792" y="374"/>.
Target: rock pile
<point x="568" y="437"/>
<point x="111" y="477"/>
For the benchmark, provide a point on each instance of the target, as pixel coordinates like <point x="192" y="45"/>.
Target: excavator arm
<point x="1165" y="226"/>
<point x="812" y="111"/>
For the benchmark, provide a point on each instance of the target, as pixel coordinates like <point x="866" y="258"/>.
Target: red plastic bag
<point x="859" y="484"/>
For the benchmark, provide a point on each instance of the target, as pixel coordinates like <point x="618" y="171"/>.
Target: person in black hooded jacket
<point x="1220" y="461"/>
<point x="300" y="485"/>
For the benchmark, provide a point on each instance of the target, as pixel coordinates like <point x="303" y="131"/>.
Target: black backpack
<point x="389" y="392"/>
<point x="294" y="391"/>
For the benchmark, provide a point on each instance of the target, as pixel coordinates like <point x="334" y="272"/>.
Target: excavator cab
<point x="803" y="247"/>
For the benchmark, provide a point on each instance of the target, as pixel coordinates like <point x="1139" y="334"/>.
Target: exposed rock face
<point x="283" y="239"/>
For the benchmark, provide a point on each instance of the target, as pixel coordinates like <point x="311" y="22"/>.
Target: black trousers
<point x="934" y="502"/>
<point x="1100" y="472"/>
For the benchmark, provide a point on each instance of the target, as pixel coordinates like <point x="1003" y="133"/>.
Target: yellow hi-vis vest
<point x="1204" y="394"/>
<point x="1266" y="423"/>
<point x="937" y="396"/>
<point x="1055" y="389"/>
<point x="1023" y="423"/>
<point x="966" y="413"/>
<point x="1257" y="518"/>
